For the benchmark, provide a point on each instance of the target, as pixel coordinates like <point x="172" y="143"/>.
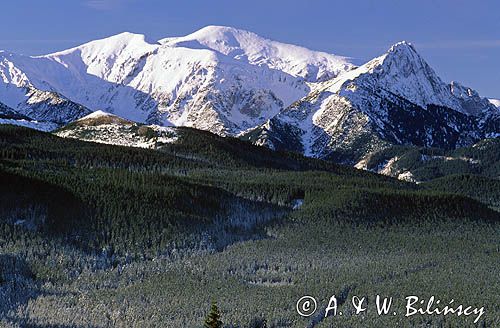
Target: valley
<point x="149" y="237"/>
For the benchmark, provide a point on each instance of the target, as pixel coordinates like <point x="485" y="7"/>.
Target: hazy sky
<point x="460" y="39"/>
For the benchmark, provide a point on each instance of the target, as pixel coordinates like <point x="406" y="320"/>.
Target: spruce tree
<point x="213" y="317"/>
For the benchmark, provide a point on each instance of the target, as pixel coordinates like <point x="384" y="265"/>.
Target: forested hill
<point x="142" y="200"/>
<point x="86" y="225"/>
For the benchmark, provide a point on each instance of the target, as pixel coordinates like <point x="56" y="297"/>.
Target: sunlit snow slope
<point x="219" y="79"/>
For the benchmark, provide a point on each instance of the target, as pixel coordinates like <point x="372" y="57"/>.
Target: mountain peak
<point x="400" y="59"/>
<point x="124" y="37"/>
<point x="402" y="46"/>
<point x="124" y="40"/>
<point x="223" y="39"/>
<point x="218" y="29"/>
<point x="100" y="117"/>
<point x="249" y="47"/>
<point x="130" y="37"/>
<point x="213" y="36"/>
<point x="96" y="114"/>
<point x="404" y="51"/>
<point x="402" y="71"/>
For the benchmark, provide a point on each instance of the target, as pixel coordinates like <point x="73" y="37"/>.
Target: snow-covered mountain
<point x="219" y="79"/>
<point x="396" y="98"/>
<point x="10" y="116"/>
<point x="31" y="97"/>
<point x="234" y="82"/>
<point x="248" y="47"/>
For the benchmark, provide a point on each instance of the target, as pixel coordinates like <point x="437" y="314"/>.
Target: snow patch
<point x="407" y="176"/>
<point x="297" y="203"/>
<point x="41" y="126"/>
<point x="495" y="102"/>
<point x="123" y="135"/>
<point x="96" y="114"/>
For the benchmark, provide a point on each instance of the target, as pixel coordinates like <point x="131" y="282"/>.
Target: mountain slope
<point x="32" y="96"/>
<point x="219" y="79"/>
<point x="394" y="99"/>
<point x="10" y="116"/>
<point x="8" y="113"/>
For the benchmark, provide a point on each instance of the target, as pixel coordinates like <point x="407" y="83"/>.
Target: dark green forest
<point x="94" y="235"/>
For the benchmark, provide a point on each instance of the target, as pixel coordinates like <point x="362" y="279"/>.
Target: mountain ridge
<point x="125" y="75"/>
<point x="234" y="82"/>
<point x="396" y="98"/>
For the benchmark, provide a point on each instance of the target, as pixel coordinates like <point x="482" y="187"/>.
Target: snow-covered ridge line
<point x="102" y="127"/>
<point x="96" y="114"/>
<point x="396" y="98"/>
<point x="240" y="44"/>
<point x="234" y="82"/>
<point x="220" y="79"/>
<point x="495" y="102"/>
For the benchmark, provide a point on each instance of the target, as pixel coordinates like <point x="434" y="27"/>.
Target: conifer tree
<point x="213" y="318"/>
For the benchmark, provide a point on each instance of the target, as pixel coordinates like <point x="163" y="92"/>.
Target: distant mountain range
<point x="219" y="79"/>
<point x="233" y="82"/>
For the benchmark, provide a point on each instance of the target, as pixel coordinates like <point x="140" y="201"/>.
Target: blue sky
<point x="460" y="39"/>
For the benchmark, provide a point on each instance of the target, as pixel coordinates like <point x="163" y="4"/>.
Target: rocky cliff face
<point x="394" y="99"/>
